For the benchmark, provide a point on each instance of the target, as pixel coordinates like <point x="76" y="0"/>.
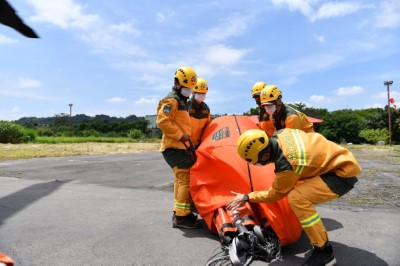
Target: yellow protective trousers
<point x="302" y="200"/>
<point x="182" y="198"/>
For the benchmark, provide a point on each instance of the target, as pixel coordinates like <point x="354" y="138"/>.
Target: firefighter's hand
<point x="185" y="137"/>
<point x="237" y="201"/>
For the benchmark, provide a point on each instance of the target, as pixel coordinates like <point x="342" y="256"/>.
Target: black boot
<point x="321" y="256"/>
<point x="187" y="222"/>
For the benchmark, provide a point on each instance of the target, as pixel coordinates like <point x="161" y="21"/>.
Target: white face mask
<point x="270" y="109"/>
<point x="199" y="97"/>
<point x="186" y="92"/>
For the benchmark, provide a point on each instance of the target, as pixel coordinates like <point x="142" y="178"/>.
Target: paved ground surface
<point x="116" y="210"/>
<point x="378" y="184"/>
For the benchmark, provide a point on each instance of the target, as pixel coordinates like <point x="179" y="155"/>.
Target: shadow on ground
<point x="16" y="202"/>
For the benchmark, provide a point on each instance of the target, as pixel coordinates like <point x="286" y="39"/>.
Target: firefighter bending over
<point x="328" y="170"/>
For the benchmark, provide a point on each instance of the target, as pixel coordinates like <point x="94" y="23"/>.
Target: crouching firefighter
<point x="327" y="169"/>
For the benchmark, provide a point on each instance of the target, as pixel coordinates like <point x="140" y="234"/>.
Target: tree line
<point x="355" y="126"/>
<point x="84" y="126"/>
<point x="341" y="126"/>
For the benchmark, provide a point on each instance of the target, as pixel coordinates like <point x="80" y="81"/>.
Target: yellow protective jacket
<point x="200" y="118"/>
<point x="173" y="120"/>
<point x="287" y="117"/>
<point x="298" y="156"/>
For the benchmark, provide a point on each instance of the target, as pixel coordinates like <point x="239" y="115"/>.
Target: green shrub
<point x="30" y="134"/>
<point x="44" y="132"/>
<point x="135" y="134"/>
<point x="89" y="133"/>
<point x="372" y="136"/>
<point x="13" y="133"/>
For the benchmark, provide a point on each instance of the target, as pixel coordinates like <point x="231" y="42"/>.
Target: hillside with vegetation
<point x="341" y="126"/>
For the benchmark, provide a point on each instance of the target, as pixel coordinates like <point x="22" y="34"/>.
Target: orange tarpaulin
<point x="220" y="170"/>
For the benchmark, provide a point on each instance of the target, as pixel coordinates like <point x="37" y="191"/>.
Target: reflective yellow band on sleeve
<point x="302" y="156"/>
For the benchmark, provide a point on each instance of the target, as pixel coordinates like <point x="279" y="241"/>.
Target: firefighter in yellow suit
<point x="264" y="121"/>
<point x="328" y="170"/>
<point x="279" y="115"/>
<point x="174" y="121"/>
<point x="199" y="111"/>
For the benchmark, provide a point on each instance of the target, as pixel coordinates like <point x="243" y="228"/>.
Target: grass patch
<point x="26" y="151"/>
<point x="54" y="140"/>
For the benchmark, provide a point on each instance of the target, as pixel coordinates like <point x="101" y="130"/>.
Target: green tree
<point x="10" y="132"/>
<point x="372" y="136"/>
<point x="135" y="134"/>
<point x="342" y="126"/>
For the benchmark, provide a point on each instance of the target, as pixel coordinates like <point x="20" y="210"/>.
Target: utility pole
<point x="70" y="119"/>
<point x="388" y="83"/>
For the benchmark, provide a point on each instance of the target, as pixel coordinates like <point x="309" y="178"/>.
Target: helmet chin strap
<point x="278" y="106"/>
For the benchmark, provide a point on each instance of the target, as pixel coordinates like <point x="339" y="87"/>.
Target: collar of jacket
<point x="273" y="148"/>
<point x="179" y="96"/>
<point x="194" y="103"/>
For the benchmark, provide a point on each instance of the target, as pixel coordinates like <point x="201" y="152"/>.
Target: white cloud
<point x="7" y="40"/>
<point x="115" y="39"/>
<point x="318" y="99"/>
<point x="311" y="63"/>
<point x="223" y="55"/>
<point x="108" y="41"/>
<point x="375" y="105"/>
<point x="33" y="96"/>
<point x="389" y="15"/>
<point x="303" y="6"/>
<point x="160" y="73"/>
<point x="116" y="100"/>
<point x="150" y="79"/>
<point x="161" y="17"/>
<point x="29" y="83"/>
<point x="345" y="91"/>
<point x="15" y="109"/>
<point x="62" y="13"/>
<point x="232" y="26"/>
<point x="319" y="38"/>
<point x="331" y="10"/>
<point x="125" y="27"/>
<point x="393" y="94"/>
<point x="327" y="10"/>
<point x="145" y="101"/>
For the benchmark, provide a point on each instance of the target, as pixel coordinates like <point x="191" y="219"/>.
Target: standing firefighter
<point x="174" y="121"/>
<point x="264" y="119"/>
<point x="281" y="115"/>
<point x="328" y="170"/>
<point x="199" y="111"/>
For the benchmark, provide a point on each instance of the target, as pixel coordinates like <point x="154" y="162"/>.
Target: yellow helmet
<point x="270" y="93"/>
<point x="257" y="87"/>
<point x="251" y="143"/>
<point x="186" y="76"/>
<point x="201" y="86"/>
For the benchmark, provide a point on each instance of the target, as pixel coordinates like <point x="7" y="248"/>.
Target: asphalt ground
<point x="116" y="210"/>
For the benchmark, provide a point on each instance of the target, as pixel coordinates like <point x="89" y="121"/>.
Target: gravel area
<point x="378" y="184"/>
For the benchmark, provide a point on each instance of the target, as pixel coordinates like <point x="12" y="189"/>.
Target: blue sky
<point x="118" y="57"/>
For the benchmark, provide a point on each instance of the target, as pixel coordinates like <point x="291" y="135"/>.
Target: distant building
<point x="152" y="121"/>
<point x="152" y="125"/>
